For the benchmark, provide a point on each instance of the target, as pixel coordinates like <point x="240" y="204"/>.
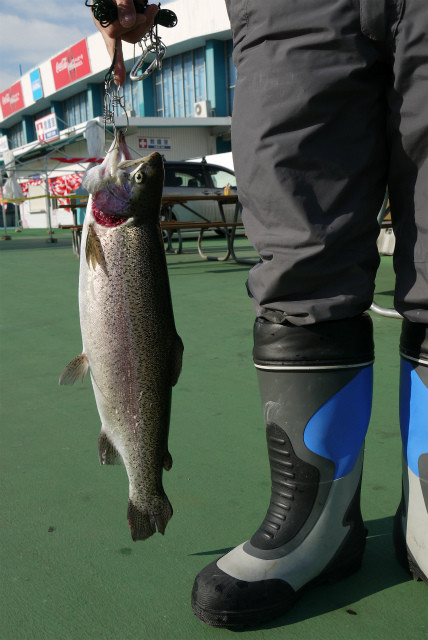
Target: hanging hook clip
<point x="156" y="47"/>
<point x="152" y="43"/>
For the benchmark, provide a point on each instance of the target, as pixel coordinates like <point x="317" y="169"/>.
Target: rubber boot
<point x="316" y="390"/>
<point x="411" y="520"/>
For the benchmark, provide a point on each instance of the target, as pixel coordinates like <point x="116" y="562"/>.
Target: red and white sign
<point x="12" y="100"/>
<point x="71" y="65"/>
<point x="47" y="128"/>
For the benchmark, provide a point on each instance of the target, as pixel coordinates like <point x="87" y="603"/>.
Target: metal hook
<point x="160" y="50"/>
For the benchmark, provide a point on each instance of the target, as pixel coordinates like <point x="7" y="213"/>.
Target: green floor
<point x="69" y="569"/>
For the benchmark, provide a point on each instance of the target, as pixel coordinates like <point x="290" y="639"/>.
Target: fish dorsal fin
<point x="94" y="251"/>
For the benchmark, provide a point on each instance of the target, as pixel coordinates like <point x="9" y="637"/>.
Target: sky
<point x="31" y="31"/>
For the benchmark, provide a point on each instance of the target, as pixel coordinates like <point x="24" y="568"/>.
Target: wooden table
<point x="171" y="226"/>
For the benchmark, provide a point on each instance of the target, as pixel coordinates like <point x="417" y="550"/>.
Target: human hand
<point x="130" y="26"/>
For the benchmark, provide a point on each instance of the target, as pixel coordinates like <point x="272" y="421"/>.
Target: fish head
<point x="146" y="182"/>
<point x="123" y="188"/>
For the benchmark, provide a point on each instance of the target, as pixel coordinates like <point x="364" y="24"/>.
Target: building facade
<point x="187" y="104"/>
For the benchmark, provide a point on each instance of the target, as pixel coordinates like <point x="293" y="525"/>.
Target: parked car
<point x="199" y="178"/>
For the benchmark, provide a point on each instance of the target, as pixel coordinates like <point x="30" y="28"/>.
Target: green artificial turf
<point x="69" y="569"/>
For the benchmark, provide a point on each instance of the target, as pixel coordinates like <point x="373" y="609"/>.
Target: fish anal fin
<point x="94" y="251"/>
<point x="177" y="359"/>
<point x="76" y="368"/>
<point x="167" y="461"/>
<point x="107" y="452"/>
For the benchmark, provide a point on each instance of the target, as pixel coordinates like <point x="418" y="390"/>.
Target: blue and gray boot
<point x="316" y="390"/>
<point x="411" y="520"/>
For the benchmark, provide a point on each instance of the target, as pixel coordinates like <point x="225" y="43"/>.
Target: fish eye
<point x="139" y="177"/>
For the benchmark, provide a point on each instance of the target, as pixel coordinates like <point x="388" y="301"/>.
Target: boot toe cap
<point x="221" y="600"/>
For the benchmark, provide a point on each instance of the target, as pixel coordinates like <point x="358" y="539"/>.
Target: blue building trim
<point x="216" y="77"/>
<point x="146" y="96"/>
<point x="94" y="100"/>
<point x="56" y="108"/>
<point x="28" y="129"/>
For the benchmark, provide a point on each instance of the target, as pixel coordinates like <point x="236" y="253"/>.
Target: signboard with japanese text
<point x="36" y="84"/>
<point x="47" y="128"/>
<point x="154" y="144"/>
<point x="71" y="65"/>
<point x="12" y="100"/>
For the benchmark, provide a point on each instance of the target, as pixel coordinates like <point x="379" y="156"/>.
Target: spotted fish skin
<point x="130" y="343"/>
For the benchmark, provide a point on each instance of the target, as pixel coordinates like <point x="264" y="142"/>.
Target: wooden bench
<point x="176" y="226"/>
<point x="76" y="236"/>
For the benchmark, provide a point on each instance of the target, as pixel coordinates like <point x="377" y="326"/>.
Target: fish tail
<point x="107" y="452"/>
<point x="145" y="521"/>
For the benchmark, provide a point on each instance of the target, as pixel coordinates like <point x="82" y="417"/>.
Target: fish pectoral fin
<point x="76" y="368"/>
<point x="177" y="360"/>
<point x="94" y="251"/>
<point x="107" y="452"/>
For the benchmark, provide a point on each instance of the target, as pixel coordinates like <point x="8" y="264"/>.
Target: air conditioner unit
<point x="203" y="109"/>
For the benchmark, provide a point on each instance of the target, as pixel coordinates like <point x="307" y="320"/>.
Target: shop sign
<point x="158" y="144"/>
<point x="12" y="100"/>
<point x="36" y="84"/>
<point x="71" y="65"/>
<point x="47" y="128"/>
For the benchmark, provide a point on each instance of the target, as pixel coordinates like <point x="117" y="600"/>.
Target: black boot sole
<point x="402" y="551"/>
<point x="277" y="597"/>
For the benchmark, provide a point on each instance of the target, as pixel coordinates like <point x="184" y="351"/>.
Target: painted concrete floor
<point x="69" y="567"/>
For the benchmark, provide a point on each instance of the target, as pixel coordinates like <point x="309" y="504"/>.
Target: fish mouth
<point x="110" y="186"/>
<point x="106" y="219"/>
<point x="118" y="180"/>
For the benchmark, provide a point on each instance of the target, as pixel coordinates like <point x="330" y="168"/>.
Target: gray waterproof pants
<point x="331" y="107"/>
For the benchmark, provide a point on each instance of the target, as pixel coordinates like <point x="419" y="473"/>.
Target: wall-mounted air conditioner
<point x="203" y="109"/>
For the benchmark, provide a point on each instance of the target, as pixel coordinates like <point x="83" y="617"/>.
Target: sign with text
<point x="36" y="84"/>
<point x="47" y="128"/>
<point x="154" y="144"/>
<point x="12" y="100"/>
<point x="71" y="65"/>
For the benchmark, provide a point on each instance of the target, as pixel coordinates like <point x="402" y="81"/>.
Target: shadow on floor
<point x="380" y="571"/>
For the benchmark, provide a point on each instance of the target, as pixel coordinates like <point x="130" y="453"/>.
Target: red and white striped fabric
<point x="59" y="187"/>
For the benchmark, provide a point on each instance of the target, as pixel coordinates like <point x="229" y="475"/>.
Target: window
<point x="183" y="177"/>
<point x="178" y="87"/>
<point x="221" y="178"/>
<point x="199" y="71"/>
<point x="188" y="84"/>
<point x="75" y="109"/>
<point x="180" y="83"/>
<point x="131" y="99"/>
<point x="16" y="136"/>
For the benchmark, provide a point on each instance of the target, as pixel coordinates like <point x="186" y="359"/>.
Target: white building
<point x="183" y="110"/>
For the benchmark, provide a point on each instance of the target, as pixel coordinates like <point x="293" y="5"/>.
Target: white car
<point x="199" y="178"/>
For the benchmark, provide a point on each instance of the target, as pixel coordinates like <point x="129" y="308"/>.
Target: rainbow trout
<point x="130" y="344"/>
